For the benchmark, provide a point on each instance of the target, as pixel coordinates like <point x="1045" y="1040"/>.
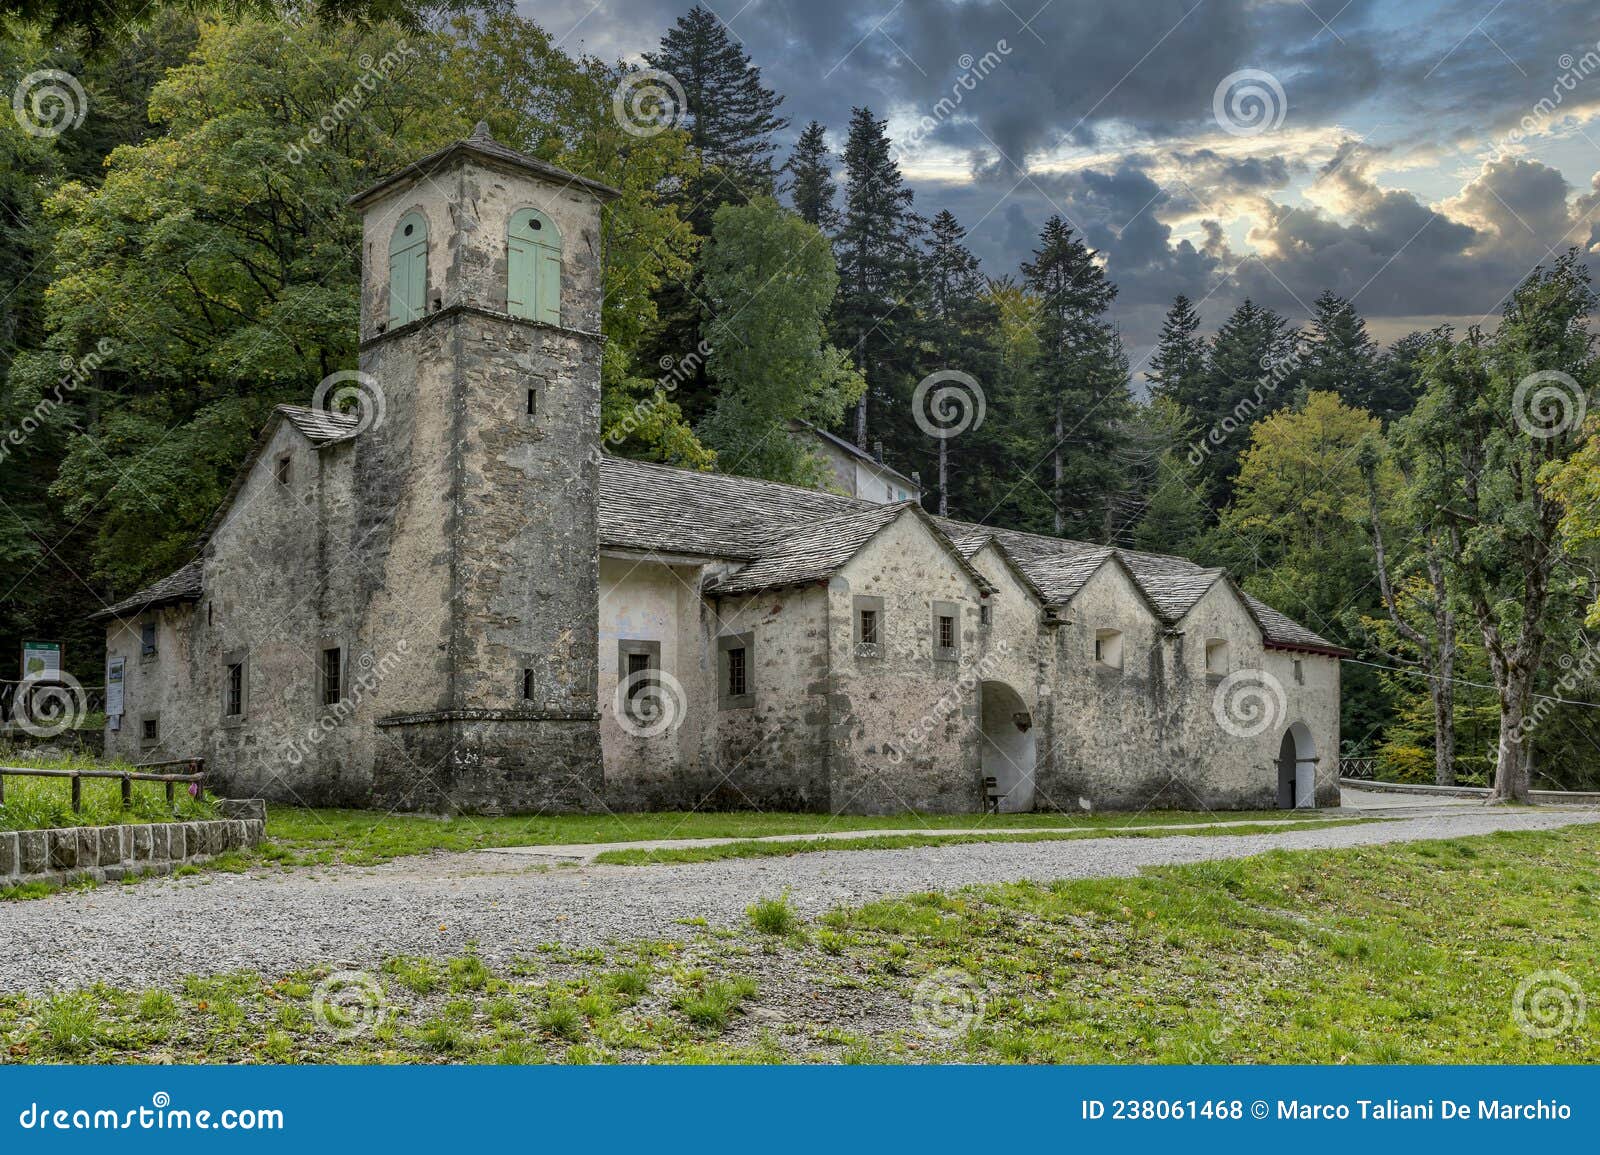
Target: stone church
<point x="448" y="598"/>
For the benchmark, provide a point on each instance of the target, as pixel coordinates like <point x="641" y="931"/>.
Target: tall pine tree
<point x="1080" y="378"/>
<point x="811" y="187"/>
<point x="1338" y="356"/>
<point x="1177" y="371"/>
<point x="874" y="320"/>
<point x="1250" y="372"/>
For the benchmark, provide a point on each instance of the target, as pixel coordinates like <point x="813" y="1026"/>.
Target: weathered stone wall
<point x="880" y="697"/>
<point x="155" y="686"/>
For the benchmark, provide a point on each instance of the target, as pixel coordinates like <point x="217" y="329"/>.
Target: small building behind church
<point x="446" y="597"/>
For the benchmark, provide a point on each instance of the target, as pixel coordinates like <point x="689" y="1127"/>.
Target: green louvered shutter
<point x="408" y="269"/>
<point x="533" y="267"/>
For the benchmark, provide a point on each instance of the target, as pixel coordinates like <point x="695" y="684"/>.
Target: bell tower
<point x="480" y="336"/>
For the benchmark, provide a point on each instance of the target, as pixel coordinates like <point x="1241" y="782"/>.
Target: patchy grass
<point x="43" y="803"/>
<point x="1408" y="953"/>
<point x="642" y="857"/>
<point x="300" y="836"/>
<point x="774" y="916"/>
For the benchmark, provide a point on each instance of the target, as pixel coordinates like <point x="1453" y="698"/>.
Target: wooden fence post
<point x="77" y="793"/>
<point x="127" y="792"/>
<point x="169" y="792"/>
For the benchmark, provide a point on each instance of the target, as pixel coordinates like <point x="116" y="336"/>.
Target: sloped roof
<point x="481" y="144"/>
<point x="321" y="425"/>
<point x="855" y="451"/>
<point x="182" y="586"/>
<point x="792" y="536"/>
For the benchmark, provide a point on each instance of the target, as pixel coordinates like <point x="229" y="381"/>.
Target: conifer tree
<point x="1250" y="372"/>
<point x="877" y="252"/>
<point x="1177" y="371"/>
<point x="811" y="187"/>
<point x="1080" y="379"/>
<point x="1338" y="356"/>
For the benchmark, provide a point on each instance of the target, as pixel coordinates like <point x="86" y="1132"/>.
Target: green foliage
<point x="769" y="280"/>
<point x="811" y="186"/>
<point x="774" y="916"/>
<point x="45" y="803"/>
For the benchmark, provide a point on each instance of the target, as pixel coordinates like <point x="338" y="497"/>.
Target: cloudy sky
<point x="1420" y="157"/>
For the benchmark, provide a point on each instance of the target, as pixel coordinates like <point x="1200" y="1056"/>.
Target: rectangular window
<point x="637" y="663"/>
<point x="1216" y="655"/>
<point x="150" y="729"/>
<point x="533" y="402"/>
<point x="234" y="694"/>
<point x="1108" y="649"/>
<point x="147" y="639"/>
<point x="527" y="685"/>
<point x="735" y="655"/>
<point x="283" y="469"/>
<point x="984" y="617"/>
<point x="869" y="627"/>
<point x="332" y="676"/>
<point x="947" y="632"/>
<point x="1299" y="673"/>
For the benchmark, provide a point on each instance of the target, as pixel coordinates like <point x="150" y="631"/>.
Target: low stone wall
<point x="1544" y="797"/>
<point x="108" y="853"/>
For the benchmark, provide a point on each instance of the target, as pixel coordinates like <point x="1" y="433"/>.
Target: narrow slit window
<point x="527" y="685"/>
<point x="235" y="690"/>
<point x="147" y="639"/>
<point x="984" y="615"/>
<point x="1299" y="673"/>
<point x="282" y="469"/>
<point x="533" y="403"/>
<point x="332" y="676"/>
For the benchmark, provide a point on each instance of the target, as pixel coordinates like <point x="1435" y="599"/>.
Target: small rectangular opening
<point x="150" y="729"/>
<point x="282" y="469"/>
<point x="527" y="685"/>
<point x="234" y="702"/>
<point x="983" y="614"/>
<point x="638" y="664"/>
<point x="332" y="676"/>
<point x="147" y="639"/>
<point x="1108" y="649"/>
<point x="869" y="627"/>
<point x="1216" y="655"/>
<point x="947" y="632"/>
<point x="1299" y="673"/>
<point x="736" y="672"/>
<point x="533" y="402"/>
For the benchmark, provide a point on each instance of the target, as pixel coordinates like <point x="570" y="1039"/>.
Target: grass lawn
<point x="360" y="837"/>
<point x="39" y="803"/>
<point x="907" y="841"/>
<point x="1467" y="950"/>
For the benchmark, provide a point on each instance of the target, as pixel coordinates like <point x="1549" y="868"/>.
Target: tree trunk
<point x="944" y="478"/>
<point x="861" y="422"/>
<point x="1512" y="767"/>
<point x="1444" y="687"/>
<point x="1056" y="454"/>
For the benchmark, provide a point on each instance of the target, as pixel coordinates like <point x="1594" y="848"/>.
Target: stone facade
<point x="450" y="600"/>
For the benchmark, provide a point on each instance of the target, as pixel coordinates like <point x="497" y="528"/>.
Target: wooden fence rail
<point x="196" y="775"/>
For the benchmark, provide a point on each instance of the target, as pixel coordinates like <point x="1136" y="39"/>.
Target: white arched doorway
<point x="1008" y="745"/>
<point x="1297" y="769"/>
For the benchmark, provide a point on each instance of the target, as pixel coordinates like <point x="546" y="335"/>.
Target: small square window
<point x="283" y="467"/>
<point x="332" y="676"/>
<point x="1216" y="655"/>
<point x="150" y="729"/>
<point x="1108" y="649"/>
<point x="147" y="639"/>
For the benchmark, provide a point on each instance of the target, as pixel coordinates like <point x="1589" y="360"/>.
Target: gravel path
<point x="278" y="920"/>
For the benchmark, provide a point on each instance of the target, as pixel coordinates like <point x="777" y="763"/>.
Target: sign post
<point x="41" y="661"/>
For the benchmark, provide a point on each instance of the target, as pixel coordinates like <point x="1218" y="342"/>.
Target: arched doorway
<point x="1009" y="745"/>
<point x="1297" y="769"/>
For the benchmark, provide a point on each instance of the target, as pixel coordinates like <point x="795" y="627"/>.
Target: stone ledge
<point x="113" y="852"/>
